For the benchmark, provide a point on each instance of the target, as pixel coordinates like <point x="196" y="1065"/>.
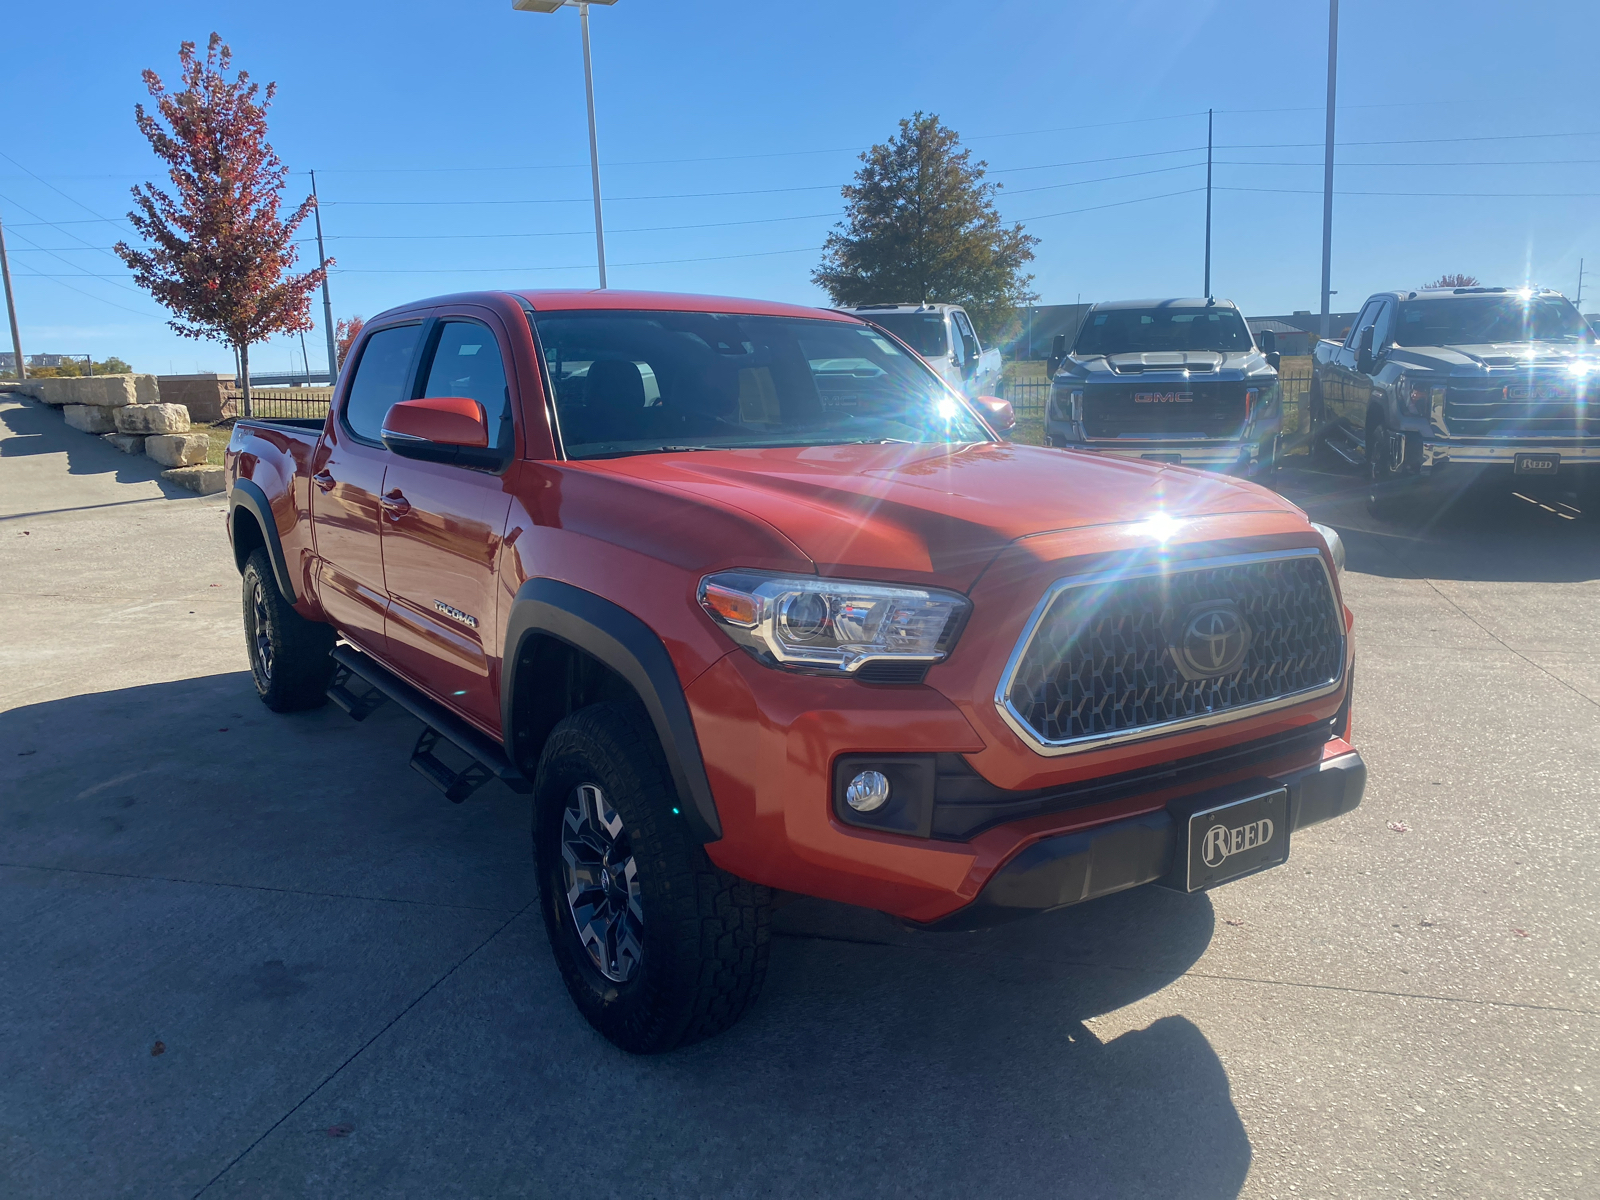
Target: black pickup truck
<point x="1439" y="384"/>
<point x="1171" y="380"/>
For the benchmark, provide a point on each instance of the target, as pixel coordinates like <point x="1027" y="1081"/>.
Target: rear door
<point x="347" y="476"/>
<point x="443" y="524"/>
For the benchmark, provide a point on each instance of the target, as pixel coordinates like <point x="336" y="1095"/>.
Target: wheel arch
<point x="566" y="648"/>
<point x="250" y="526"/>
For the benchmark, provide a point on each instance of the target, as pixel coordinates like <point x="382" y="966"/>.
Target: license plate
<point x="1240" y="838"/>
<point x="1535" y="464"/>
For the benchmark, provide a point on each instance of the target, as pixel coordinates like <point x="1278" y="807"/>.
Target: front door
<point x="348" y="478"/>
<point x="441" y="533"/>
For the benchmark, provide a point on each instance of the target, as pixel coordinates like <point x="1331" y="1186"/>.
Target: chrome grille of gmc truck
<point x="1117" y="656"/>
<point x="1543" y="405"/>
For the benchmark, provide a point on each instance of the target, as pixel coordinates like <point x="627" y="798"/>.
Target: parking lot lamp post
<point x="550" y="6"/>
<point x="1327" y="167"/>
<point x="11" y="310"/>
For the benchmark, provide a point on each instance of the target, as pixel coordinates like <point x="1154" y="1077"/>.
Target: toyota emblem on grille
<point x="1213" y="640"/>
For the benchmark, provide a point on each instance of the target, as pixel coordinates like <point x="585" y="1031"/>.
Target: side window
<point x="1369" y="313"/>
<point x="971" y="338"/>
<point x="1383" y="331"/>
<point x="382" y="377"/>
<point x="958" y="344"/>
<point x="466" y="362"/>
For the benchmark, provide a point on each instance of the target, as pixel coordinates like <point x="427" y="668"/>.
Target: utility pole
<point x="11" y="308"/>
<point x="1579" y="304"/>
<point x="594" y="146"/>
<point x="1208" y="204"/>
<point x="1327" y="167"/>
<point x="327" y="304"/>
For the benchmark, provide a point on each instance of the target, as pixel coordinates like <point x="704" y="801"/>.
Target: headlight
<point x="1066" y="404"/>
<point x="1335" y="545"/>
<point x="833" y="625"/>
<point x="1421" y="396"/>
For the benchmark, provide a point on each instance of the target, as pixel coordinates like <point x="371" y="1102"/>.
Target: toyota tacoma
<point x="748" y="599"/>
<point x="1178" y="381"/>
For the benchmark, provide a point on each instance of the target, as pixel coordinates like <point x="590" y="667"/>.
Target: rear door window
<point x="466" y="362"/>
<point x="382" y="380"/>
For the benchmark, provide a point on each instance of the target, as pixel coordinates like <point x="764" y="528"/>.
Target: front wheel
<point x="1383" y="471"/>
<point x="288" y="654"/>
<point x="657" y="946"/>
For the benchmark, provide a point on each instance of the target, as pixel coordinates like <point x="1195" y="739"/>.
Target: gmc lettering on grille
<point x="1163" y="397"/>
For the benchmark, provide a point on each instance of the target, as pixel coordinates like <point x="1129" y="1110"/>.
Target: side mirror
<point x="1001" y="416"/>
<point x="447" y="429"/>
<point x="1274" y="359"/>
<point x="1269" y="341"/>
<point x="1364" y="358"/>
<point x="1058" y="352"/>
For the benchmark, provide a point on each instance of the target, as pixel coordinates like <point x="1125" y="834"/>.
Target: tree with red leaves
<point x="218" y="255"/>
<point x="345" y="332"/>
<point x="1454" y="281"/>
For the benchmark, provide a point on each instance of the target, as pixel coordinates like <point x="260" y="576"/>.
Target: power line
<point x="1473" y="195"/>
<point x="588" y="266"/>
<point x="1524" y="162"/>
<point x="1114" y="204"/>
<point x="55" y="279"/>
<point x="1494" y="137"/>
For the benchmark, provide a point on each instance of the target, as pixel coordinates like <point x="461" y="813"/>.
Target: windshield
<point x="1471" y="320"/>
<point x="1151" y="330"/>
<point x="634" y="382"/>
<point x="923" y="332"/>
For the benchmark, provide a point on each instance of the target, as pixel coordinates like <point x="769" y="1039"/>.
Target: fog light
<point x="868" y="792"/>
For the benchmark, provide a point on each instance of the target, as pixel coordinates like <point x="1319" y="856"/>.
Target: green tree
<point x="921" y="227"/>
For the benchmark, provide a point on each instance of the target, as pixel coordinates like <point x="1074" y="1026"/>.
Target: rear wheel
<point x="288" y="654"/>
<point x="657" y="946"/>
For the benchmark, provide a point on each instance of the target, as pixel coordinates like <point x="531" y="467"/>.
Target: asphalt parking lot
<point x="246" y="954"/>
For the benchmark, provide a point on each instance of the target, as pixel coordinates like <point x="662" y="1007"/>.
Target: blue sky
<point x="451" y="146"/>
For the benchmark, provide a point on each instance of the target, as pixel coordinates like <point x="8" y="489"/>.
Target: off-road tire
<point x="291" y="669"/>
<point x="706" y="933"/>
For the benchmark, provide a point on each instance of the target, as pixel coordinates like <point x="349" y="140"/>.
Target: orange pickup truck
<point x="748" y="599"/>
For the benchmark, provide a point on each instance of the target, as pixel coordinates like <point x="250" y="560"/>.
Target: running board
<point x="1356" y="457"/>
<point x="489" y="761"/>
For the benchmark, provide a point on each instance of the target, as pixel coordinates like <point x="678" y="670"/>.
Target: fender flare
<point x="626" y="645"/>
<point x="247" y="495"/>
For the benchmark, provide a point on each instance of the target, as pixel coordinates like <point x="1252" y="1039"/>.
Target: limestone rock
<point x="128" y="443"/>
<point x="205" y="480"/>
<point x="153" y="418"/>
<point x="178" y="449"/>
<point x="91" y="418"/>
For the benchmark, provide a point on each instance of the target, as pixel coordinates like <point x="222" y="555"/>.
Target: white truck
<point x="942" y="334"/>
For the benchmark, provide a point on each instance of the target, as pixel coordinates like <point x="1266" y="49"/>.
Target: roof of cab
<point x="593" y="299"/>
<point x="1182" y="302"/>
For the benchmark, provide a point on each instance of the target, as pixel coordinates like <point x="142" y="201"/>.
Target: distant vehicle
<point x="943" y="335"/>
<point x="1479" y="380"/>
<point x="1178" y="381"/>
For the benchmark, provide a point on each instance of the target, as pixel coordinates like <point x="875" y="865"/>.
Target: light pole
<point x="1327" y="166"/>
<point x="550" y="6"/>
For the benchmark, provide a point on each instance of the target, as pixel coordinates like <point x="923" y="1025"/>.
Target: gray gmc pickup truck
<point x="1459" y="383"/>
<point x="1177" y="381"/>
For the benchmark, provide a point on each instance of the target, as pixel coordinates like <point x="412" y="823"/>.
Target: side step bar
<point x="489" y="761"/>
<point x="1353" y="453"/>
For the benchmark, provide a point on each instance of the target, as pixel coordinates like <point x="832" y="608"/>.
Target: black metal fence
<point x="1027" y="394"/>
<point x="284" y="403"/>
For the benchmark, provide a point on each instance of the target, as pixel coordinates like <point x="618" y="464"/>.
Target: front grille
<point x="1529" y="406"/>
<point x="1098" y="666"/>
<point x="1211" y="410"/>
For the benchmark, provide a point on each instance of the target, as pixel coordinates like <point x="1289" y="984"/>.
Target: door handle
<point x="395" y="505"/>
<point x="323" y="480"/>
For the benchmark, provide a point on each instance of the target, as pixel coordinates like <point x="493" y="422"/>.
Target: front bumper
<point x="1071" y="868"/>
<point x="1438" y="452"/>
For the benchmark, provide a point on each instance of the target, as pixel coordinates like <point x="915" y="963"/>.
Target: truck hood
<point x="934" y="513"/>
<point x="1495" y="354"/>
<point x="1232" y="364"/>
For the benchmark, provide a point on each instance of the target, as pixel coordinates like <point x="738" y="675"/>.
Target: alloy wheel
<point x="602" y="885"/>
<point x="263" y="636"/>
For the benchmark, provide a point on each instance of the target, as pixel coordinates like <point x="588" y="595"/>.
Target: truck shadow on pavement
<point x="1528" y="532"/>
<point x="353" y="994"/>
<point x="33" y="428"/>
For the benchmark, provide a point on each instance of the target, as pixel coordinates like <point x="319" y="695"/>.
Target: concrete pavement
<point x="352" y="996"/>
